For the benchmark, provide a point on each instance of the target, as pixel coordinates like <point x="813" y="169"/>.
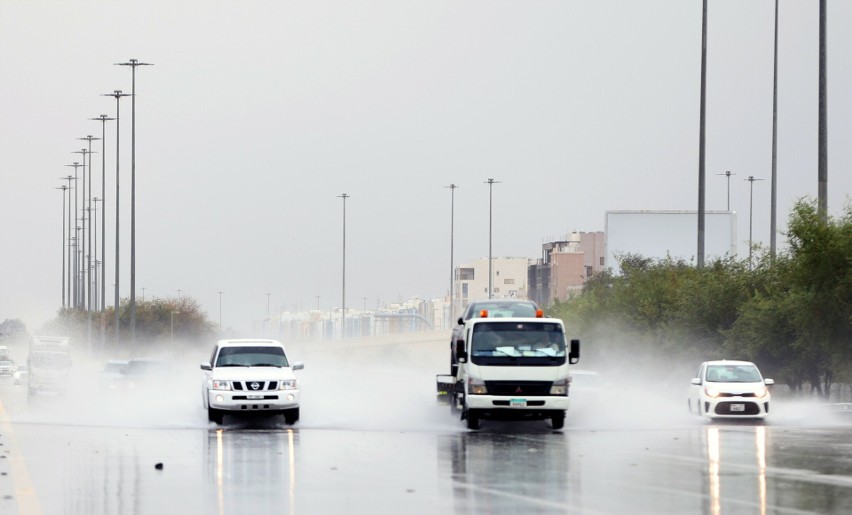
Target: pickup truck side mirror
<point x="298" y="365"/>
<point x="462" y="355"/>
<point x="574" y="355"/>
<point x="460" y="321"/>
<point x="206" y="366"/>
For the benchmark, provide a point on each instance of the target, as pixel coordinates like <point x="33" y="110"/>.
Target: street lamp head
<point x="116" y="93"/>
<point x="102" y="118"/>
<point x="134" y="63"/>
<point x="89" y="138"/>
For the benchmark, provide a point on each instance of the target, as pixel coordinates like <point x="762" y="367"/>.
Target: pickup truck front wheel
<point x="215" y="415"/>
<point x="291" y="416"/>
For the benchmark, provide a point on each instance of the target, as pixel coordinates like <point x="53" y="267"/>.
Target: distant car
<point x="497" y="308"/>
<point x="113" y="373"/>
<point x="729" y="389"/>
<point x="7" y="368"/>
<point x="146" y="372"/>
<point x="21" y="372"/>
<point x="250" y="377"/>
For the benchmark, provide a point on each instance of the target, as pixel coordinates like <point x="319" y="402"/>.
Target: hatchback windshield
<point x="251" y="357"/>
<point x="733" y="374"/>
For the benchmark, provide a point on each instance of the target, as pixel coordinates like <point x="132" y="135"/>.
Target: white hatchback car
<point x="729" y="389"/>
<point x="250" y="377"/>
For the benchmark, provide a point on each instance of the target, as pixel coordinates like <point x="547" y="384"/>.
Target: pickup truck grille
<point x="518" y="387"/>
<point x="255" y="386"/>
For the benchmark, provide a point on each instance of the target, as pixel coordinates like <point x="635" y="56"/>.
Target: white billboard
<point x="658" y="234"/>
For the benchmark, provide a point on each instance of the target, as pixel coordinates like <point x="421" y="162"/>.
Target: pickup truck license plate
<point x="737" y="407"/>
<point x="256" y="397"/>
<point x="518" y="402"/>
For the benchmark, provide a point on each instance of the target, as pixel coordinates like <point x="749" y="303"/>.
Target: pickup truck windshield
<point x="518" y="343"/>
<point x="251" y="357"/>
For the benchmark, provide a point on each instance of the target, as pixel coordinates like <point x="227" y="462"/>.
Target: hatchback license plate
<point x="518" y="402"/>
<point x="737" y="407"/>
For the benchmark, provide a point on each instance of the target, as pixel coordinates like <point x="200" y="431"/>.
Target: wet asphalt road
<point x="373" y="439"/>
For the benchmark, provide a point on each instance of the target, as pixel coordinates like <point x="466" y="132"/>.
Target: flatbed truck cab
<point x="512" y="369"/>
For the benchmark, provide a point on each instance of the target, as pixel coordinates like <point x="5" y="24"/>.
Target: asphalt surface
<point x="373" y="438"/>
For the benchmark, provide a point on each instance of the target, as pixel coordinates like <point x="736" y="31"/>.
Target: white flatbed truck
<point x="511" y="369"/>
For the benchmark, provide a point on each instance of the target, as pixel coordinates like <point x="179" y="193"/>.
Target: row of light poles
<point x="452" y="187"/>
<point x="83" y="287"/>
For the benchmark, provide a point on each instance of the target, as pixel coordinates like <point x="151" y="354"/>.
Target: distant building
<point x="565" y="266"/>
<point x="509" y="281"/>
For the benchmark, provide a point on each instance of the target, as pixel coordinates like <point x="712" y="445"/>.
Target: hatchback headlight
<point x="287" y="384"/>
<point x="711" y="392"/>
<point x="476" y="386"/>
<point x="221" y="385"/>
<point x="761" y="391"/>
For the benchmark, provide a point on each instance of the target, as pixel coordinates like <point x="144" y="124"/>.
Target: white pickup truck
<point x="512" y="368"/>
<point x="250" y="377"/>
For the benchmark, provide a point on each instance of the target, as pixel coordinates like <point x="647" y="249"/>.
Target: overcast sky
<point x="257" y="115"/>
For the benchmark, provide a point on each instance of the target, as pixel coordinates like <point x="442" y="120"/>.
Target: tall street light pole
<point x="774" y="186"/>
<point x="83" y="199"/>
<point x="728" y="175"/>
<point x="103" y="119"/>
<point x="490" y="182"/>
<point x="822" y="144"/>
<point x="64" y="188"/>
<point x="344" y="196"/>
<point x="172" y="329"/>
<point x="117" y="94"/>
<point x="220" y="311"/>
<point x="74" y="282"/>
<point x="133" y="63"/>
<point x="452" y="188"/>
<point x="90" y="138"/>
<point x="69" y="179"/>
<point x="751" y="180"/>
<point x="96" y="276"/>
<point x="702" y="103"/>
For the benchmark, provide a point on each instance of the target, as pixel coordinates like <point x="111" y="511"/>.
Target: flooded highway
<point x="374" y="439"/>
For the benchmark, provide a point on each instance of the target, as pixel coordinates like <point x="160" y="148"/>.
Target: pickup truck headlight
<point x="287" y="384"/>
<point x="221" y="385"/>
<point x="476" y="386"/>
<point x="559" y="387"/>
